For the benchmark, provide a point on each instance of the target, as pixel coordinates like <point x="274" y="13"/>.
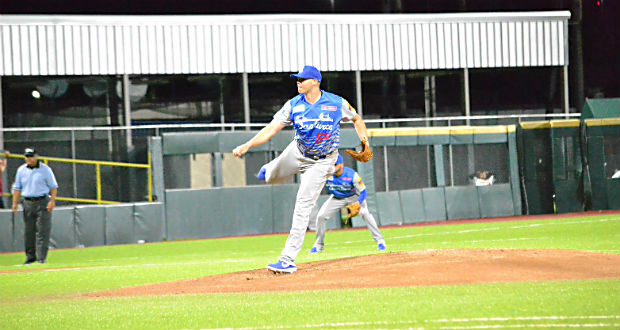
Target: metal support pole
<point x="386" y="175"/>
<point x="109" y="121"/>
<point x="566" y="104"/>
<point x="149" y="173"/>
<point x="402" y="94"/>
<point x="4" y="176"/>
<point x="222" y="117"/>
<point x="385" y="165"/>
<point x="430" y="105"/>
<point x="246" y="99"/>
<point x="574" y="38"/>
<point x="358" y="92"/>
<point x="427" y="99"/>
<point x="127" y="108"/>
<point x="433" y="97"/>
<point x="466" y="104"/>
<point x="1" y="121"/>
<point x="98" y="176"/>
<point x="157" y="167"/>
<point x="73" y="163"/>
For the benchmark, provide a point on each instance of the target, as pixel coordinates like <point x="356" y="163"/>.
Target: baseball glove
<point x="363" y="155"/>
<point x="354" y="209"/>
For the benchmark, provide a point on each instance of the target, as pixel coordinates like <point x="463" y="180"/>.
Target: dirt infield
<point x="415" y="268"/>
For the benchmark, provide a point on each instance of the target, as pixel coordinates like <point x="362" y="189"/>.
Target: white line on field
<point x="142" y="265"/>
<point x="483" y="319"/>
<point x="561" y="223"/>
<point x="469" y="241"/>
<point x="555" y="223"/>
<point x="528" y="325"/>
<point x="531" y="318"/>
<point x="432" y="234"/>
<point x="320" y="325"/>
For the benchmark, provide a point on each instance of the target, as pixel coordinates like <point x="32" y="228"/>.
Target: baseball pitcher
<point x="316" y="115"/>
<point x="347" y="189"/>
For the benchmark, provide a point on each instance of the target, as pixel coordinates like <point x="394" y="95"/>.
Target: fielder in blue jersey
<point x="346" y="187"/>
<point x="316" y="115"/>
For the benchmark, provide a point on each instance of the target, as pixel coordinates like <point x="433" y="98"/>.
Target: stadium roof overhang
<point x="59" y="45"/>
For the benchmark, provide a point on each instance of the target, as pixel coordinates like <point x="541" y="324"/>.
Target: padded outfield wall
<point x="93" y="225"/>
<point x="256" y="208"/>
<point x="416" y="175"/>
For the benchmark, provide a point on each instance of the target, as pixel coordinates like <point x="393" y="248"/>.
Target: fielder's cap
<point x="339" y="160"/>
<point x="309" y="72"/>
<point x="29" y="152"/>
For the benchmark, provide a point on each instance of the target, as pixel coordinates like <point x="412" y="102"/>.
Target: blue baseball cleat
<point x="314" y="250"/>
<point x="381" y="247"/>
<point x="282" y="267"/>
<point x="261" y="174"/>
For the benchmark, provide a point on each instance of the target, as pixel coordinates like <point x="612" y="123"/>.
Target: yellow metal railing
<point x="97" y="165"/>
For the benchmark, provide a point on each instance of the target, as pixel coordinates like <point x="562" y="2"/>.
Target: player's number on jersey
<point x="320" y="137"/>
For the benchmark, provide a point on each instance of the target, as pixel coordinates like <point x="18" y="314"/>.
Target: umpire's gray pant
<point x="331" y="206"/>
<point x="38" y="226"/>
<point x="314" y="173"/>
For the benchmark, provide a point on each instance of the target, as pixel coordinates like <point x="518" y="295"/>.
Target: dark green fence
<point x="602" y="161"/>
<point x="567" y="165"/>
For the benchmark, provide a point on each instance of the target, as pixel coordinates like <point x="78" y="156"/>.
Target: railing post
<point x="565" y="104"/>
<point x="358" y="92"/>
<point x="98" y="169"/>
<point x="385" y="165"/>
<point x="73" y="164"/>
<point x="246" y="99"/>
<point x="127" y="108"/>
<point x="150" y="177"/>
<point x="466" y="102"/>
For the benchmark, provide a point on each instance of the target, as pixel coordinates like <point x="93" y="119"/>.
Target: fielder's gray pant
<point x="333" y="205"/>
<point x="314" y="173"/>
<point x="38" y="226"/>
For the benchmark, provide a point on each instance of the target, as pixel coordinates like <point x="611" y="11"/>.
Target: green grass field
<point x="52" y="299"/>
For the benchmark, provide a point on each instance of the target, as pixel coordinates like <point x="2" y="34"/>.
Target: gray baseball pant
<point x="331" y="206"/>
<point x="314" y="173"/>
<point x="37" y="228"/>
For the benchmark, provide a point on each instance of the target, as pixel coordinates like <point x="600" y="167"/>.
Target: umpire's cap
<point x="339" y="160"/>
<point x="309" y="72"/>
<point x="29" y="152"/>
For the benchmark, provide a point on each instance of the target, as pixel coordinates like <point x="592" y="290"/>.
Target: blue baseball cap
<point x="308" y="72"/>
<point x="339" y="160"/>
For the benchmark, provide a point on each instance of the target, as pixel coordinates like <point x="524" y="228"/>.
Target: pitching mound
<point x="416" y="268"/>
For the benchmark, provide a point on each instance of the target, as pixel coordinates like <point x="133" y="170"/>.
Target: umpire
<point x="35" y="181"/>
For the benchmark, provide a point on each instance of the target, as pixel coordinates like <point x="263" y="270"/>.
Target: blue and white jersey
<point x="317" y="126"/>
<point x="349" y="183"/>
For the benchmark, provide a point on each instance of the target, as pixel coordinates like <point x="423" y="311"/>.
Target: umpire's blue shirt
<point x="34" y="181"/>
